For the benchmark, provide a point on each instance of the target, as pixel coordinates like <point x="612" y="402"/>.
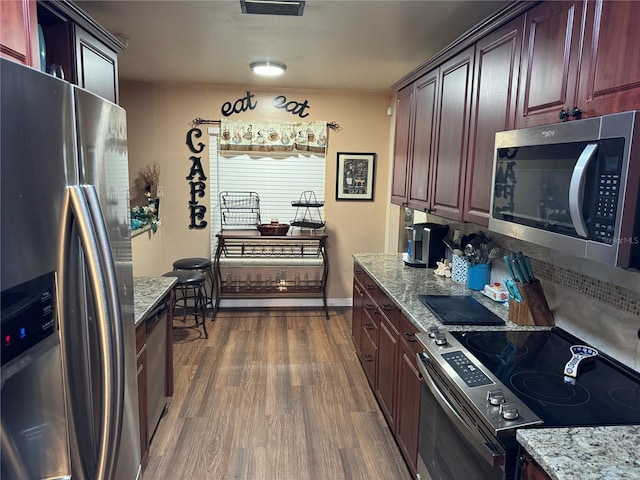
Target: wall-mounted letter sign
<point x="240" y="105"/>
<point x="197" y="187"/>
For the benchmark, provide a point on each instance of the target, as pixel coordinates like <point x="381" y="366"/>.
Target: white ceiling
<point x="360" y="44"/>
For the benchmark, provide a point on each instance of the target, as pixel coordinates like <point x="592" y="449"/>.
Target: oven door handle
<point x="576" y="188"/>
<point x="491" y="452"/>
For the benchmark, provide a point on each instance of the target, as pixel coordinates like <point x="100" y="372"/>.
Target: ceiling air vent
<point x="273" y="7"/>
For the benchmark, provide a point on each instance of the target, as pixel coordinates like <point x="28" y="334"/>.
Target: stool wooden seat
<point x="200" y="264"/>
<point x="191" y="296"/>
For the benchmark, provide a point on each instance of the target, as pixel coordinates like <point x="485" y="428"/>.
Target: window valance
<point x="270" y="136"/>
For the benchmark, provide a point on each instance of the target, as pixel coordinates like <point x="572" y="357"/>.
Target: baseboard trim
<point x="284" y="302"/>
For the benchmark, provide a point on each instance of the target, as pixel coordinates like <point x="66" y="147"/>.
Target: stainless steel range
<point x="481" y="386"/>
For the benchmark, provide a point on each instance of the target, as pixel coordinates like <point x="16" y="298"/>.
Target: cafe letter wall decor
<point x="196" y="178"/>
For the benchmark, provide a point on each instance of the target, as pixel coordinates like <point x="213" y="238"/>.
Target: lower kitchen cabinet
<point x="531" y="470"/>
<point x="387" y="348"/>
<point x="154" y="361"/>
<point x="141" y="363"/>
<point x="388" y="341"/>
<point x="409" y="390"/>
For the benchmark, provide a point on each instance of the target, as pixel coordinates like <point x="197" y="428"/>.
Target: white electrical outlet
<point x="160" y="191"/>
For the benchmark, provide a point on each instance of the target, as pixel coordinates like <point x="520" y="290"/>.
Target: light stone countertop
<point x="403" y="284"/>
<point x="587" y="453"/>
<point x="147" y="293"/>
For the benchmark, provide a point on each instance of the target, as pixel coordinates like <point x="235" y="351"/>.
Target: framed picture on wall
<point x="355" y="176"/>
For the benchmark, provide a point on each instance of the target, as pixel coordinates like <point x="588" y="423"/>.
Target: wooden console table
<point x="249" y="265"/>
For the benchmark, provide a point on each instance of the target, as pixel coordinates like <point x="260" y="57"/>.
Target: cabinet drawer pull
<point x="369" y="326"/>
<point x="370" y="287"/>
<point x="369" y="306"/>
<point x="410" y="337"/>
<point x="387" y="307"/>
<point x="367" y="358"/>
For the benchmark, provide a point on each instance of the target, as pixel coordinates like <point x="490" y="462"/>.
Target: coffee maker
<point x="425" y="244"/>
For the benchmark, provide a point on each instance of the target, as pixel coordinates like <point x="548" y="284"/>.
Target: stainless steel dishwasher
<point x="156" y="324"/>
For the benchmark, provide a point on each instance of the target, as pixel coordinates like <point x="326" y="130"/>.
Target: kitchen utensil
<point x="579" y="353"/>
<point x="509" y="267"/>
<point x="513" y="289"/>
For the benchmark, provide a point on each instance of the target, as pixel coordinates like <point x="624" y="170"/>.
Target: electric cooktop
<point x="531" y="364"/>
<point x="459" y="310"/>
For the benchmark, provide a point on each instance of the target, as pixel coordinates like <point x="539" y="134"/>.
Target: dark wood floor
<point x="272" y="394"/>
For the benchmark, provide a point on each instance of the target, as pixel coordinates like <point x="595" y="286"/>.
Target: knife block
<point x="534" y="309"/>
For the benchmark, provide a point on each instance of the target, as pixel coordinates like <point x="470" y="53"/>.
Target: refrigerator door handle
<point x="83" y="207"/>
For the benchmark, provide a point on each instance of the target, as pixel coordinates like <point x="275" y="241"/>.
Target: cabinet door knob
<point x="575" y="113"/>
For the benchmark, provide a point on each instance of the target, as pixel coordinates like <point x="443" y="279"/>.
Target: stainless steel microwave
<point x="572" y="187"/>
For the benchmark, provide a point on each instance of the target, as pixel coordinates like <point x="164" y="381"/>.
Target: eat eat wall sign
<point x="248" y="102"/>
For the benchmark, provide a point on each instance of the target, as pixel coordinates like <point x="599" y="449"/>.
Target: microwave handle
<point x="576" y="188"/>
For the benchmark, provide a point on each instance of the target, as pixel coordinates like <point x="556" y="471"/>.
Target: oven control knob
<point x="495" y="397"/>
<point x="433" y="331"/>
<point x="440" y="339"/>
<point x="509" y="411"/>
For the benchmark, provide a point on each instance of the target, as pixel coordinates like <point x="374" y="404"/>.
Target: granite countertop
<point x="587" y="453"/>
<point x="403" y="284"/>
<point x="147" y="293"/>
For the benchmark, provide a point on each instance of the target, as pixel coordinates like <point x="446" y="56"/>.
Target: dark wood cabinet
<point x="549" y="61"/>
<point x="495" y="94"/>
<point x="96" y="66"/>
<point x="609" y="76"/>
<point x="531" y="470"/>
<point x="369" y="358"/>
<point x="388" y="358"/>
<point x="592" y="66"/>
<point x="409" y="391"/>
<point x="19" y="32"/>
<point x="388" y="340"/>
<point x="87" y="53"/>
<point x="401" y="148"/>
<point x="356" y="316"/>
<point x="141" y="363"/>
<point x="423" y="142"/>
<point x="456" y="82"/>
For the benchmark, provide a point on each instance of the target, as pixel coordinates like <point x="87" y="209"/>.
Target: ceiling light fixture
<point x="268" y="69"/>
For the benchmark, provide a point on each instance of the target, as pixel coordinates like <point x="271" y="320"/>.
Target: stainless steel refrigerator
<point x="69" y="386"/>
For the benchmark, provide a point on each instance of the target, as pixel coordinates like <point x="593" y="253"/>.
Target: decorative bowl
<point x="273" y="229"/>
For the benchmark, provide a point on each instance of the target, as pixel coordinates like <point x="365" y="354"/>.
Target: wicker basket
<point x="273" y="229"/>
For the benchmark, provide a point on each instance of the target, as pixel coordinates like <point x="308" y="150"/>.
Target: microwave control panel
<point x="606" y="204"/>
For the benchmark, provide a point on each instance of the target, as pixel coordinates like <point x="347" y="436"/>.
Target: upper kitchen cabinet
<point x="401" y="150"/>
<point x="415" y="141"/>
<point x="19" y="31"/>
<point x="579" y="63"/>
<point x="423" y="141"/>
<point x="549" y="62"/>
<point x="495" y="93"/>
<point x="609" y="79"/>
<point x="454" y="111"/>
<point x="87" y="53"/>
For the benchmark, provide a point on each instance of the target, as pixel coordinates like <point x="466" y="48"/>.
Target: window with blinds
<point x="278" y="180"/>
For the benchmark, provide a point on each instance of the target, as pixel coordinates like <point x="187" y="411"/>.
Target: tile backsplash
<point x="598" y="303"/>
<point x="615" y="296"/>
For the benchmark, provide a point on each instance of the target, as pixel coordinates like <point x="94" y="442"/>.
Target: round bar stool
<point x="200" y="264"/>
<point x="191" y="296"/>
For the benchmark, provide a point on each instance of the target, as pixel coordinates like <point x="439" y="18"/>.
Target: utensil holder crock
<point x="478" y="276"/>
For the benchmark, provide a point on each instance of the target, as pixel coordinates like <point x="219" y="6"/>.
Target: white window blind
<point x="278" y="180"/>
